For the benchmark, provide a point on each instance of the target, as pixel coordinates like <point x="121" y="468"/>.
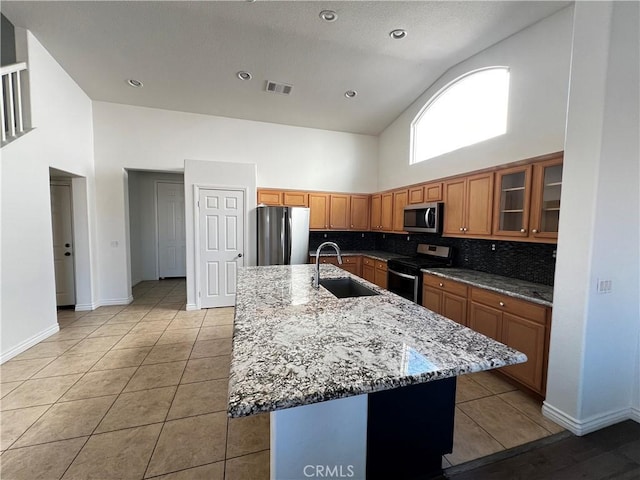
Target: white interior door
<point x="172" y="256"/>
<point x="221" y="237"/>
<point x="62" y="244"/>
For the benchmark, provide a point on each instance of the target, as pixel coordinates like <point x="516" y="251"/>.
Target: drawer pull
<point x="501" y="304"/>
<point x="441" y="284"/>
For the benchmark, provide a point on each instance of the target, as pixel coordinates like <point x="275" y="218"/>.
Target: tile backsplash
<point x="534" y="262"/>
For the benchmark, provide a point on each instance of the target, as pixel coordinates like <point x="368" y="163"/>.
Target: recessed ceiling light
<point x="350" y="93"/>
<point x="398" y="33"/>
<point x="328" y="15"/>
<point x="242" y="75"/>
<point x="135" y="83"/>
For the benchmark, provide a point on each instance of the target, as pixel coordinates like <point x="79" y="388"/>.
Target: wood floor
<point x="610" y="453"/>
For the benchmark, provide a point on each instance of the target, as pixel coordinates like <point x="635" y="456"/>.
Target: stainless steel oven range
<point x="404" y="276"/>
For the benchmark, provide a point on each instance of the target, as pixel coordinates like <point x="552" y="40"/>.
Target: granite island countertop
<point x="295" y="345"/>
<point x="532" y="292"/>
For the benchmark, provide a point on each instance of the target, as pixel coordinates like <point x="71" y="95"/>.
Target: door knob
<point x="239" y="255"/>
<point x="67" y="245"/>
<point x="67" y="254"/>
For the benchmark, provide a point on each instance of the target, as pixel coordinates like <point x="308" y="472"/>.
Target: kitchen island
<point x="372" y="379"/>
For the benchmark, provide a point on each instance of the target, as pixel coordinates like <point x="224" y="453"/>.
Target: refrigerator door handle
<point x="288" y="229"/>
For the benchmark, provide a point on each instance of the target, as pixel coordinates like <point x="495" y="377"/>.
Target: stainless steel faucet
<point x="316" y="276"/>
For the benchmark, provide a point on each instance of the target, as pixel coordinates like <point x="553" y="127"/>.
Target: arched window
<point x="468" y="110"/>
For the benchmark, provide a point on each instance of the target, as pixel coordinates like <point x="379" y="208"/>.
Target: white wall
<point x="63" y="139"/>
<point x="593" y="365"/>
<point x="128" y="137"/>
<point x="539" y="59"/>
<point x="144" y="222"/>
<point x="199" y="173"/>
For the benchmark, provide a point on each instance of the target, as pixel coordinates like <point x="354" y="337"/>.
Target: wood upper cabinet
<point x="339" y="212"/>
<point x="269" y="197"/>
<point x="359" y="212"/>
<point x="318" y="211"/>
<point x="468" y="204"/>
<point x="288" y="198"/>
<point x="400" y="200"/>
<point x="295" y="199"/>
<point x="376" y="212"/>
<point x="386" y="212"/>
<point x="416" y="194"/>
<point x="433" y="192"/>
<point x="512" y="201"/>
<point x="545" y="199"/>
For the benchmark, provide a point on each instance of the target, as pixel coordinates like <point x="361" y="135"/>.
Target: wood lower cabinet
<point x="350" y="263"/>
<point x="369" y="269"/>
<point x="485" y="320"/>
<point x="380" y="276"/>
<point x="446" y="297"/>
<point x="519" y="324"/>
<point x="374" y="271"/>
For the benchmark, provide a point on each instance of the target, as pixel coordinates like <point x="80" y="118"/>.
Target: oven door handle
<point x="403" y="275"/>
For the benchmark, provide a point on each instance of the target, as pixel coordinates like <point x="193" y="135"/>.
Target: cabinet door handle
<point x="441" y="284"/>
<point x="523" y="230"/>
<point x="501" y="304"/>
<point x="534" y="231"/>
<point x="462" y="229"/>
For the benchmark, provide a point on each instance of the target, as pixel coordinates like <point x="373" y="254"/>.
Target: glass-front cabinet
<point x="545" y="201"/>
<point x="512" y="202"/>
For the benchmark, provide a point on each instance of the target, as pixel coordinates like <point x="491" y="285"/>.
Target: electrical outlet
<point x="604" y="286"/>
<point x="493" y="247"/>
<point x="553" y="255"/>
<point x="325" y="235"/>
<point x="408" y="238"/>
<point x="114" y="244"/>
<point x="363" y="235"/>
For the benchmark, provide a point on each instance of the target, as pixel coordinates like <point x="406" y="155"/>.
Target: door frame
<point x="67" y="182"/>
<point x="157" y="223"/>
<point x="196" y="228"/>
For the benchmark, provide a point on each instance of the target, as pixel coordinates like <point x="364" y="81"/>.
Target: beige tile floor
<point x="140" y="391"/>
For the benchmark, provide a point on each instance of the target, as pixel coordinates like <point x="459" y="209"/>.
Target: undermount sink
<point x="346" y="288"/>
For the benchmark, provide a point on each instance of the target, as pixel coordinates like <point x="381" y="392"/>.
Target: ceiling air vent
<point x="281" y="88"/>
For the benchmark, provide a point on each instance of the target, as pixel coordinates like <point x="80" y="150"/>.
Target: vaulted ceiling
<point x="187" y="54"/>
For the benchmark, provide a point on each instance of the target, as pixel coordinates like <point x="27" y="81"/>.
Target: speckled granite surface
<point x="377" y="254"/>
<point x="295" y="345"/>
<point x="532" y="292"/>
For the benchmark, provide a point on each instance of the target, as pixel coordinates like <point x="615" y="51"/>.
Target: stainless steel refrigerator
<point x="283" y="235"/>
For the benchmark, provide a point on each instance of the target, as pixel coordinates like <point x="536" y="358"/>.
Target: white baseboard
<point x="29" y="342"/>
<point x="115" y="301"/>
<point x="84" y="307"/>
<point x="591" y="424"/>
<point x="635" y="414"/>
<point x="192" y="306"/>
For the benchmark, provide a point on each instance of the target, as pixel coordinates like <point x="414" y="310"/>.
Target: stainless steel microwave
<point x="423" y="217"/>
